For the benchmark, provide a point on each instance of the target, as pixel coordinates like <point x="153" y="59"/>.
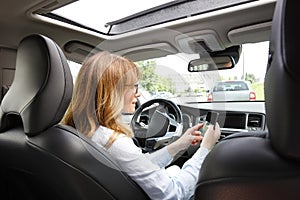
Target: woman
<point x="106" y="87"/>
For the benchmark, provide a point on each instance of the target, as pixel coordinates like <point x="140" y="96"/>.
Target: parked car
<point x="232" y="91"/>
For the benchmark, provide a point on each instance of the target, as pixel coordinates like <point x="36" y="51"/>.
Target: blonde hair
<point x="98" y="96"/>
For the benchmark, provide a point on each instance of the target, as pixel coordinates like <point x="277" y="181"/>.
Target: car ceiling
<point x="219" y="29"/>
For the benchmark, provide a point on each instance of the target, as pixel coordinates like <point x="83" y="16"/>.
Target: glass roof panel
<point x="120" y="16"/>
<point x="95" y="14"/>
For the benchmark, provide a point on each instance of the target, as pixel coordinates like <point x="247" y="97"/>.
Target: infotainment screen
<point x="230" y="120"/>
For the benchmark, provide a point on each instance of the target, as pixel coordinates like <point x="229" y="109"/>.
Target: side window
<point x="74" y="67"/>
<point x="7" y="67"/>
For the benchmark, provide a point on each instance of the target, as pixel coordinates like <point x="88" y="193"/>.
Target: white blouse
<point x="148" y="170"/>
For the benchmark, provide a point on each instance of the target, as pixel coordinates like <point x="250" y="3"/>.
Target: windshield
<point x="168" y="77"/>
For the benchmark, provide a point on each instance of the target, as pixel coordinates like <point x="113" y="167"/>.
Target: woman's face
<point x="130" y="99"/>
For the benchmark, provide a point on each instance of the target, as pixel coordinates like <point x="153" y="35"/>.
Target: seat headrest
<point x="282" y="81"/>
<point x="42" y="86"/>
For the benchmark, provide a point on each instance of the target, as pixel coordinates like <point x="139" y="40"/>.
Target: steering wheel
<point x="156" y="123"/>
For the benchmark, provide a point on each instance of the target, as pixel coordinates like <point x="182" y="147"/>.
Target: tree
<point x="151" y="81"/>
<point x="251" y="78"/>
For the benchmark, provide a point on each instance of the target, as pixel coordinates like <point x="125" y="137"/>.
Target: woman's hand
<point x="191" y="137"/>
<point x="211" y="136"/>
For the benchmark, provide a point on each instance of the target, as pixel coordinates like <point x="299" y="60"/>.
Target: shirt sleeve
<point x="146" y="170"/>
<point x="161" y="157"/>
<point x="189" y="173"/>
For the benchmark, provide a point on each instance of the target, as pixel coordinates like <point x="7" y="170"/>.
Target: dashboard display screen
<point x="231" y="120"/>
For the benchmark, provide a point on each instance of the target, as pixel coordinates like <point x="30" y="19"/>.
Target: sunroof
<point x="120" y="16"/>
<point x="95" y="14"/>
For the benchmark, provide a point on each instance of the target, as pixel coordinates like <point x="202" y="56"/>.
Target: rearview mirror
<point x="211" y="63"/>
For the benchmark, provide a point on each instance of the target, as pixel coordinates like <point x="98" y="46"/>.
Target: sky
<point x="92" y="12"/>
<point x="254" y="59"/>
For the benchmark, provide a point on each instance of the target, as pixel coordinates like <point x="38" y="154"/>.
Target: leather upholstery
<point x="40" y="158"/>
<point x="264" y="165"/>
<point x="282" y="81"/>
<point x="42" y="87"/>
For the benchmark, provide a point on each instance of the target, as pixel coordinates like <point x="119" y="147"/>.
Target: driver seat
<point x="40" y="158"/>
<point x="264" y="165"/>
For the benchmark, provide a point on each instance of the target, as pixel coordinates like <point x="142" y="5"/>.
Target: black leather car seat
<point x="41" y="159"/>
<point x="264" y="165"/>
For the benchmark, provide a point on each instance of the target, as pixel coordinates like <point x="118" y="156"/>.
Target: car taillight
<point x="252" y="96"/>
<point x="210" y="97"/>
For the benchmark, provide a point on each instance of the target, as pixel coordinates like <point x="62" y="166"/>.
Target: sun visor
<point x="148" y="51"/>
<point x="253" y="33"/>
<point x="81" y="50"/>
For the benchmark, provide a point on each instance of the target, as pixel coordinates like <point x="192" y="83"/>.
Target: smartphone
<point x="211" y="119"/>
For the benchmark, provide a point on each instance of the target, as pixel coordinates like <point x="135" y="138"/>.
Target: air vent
<point x="255" y="122"/>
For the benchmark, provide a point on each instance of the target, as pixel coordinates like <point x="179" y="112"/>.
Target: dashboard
<point x="231" y="122"/>
<point x="235" y="117"/>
